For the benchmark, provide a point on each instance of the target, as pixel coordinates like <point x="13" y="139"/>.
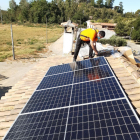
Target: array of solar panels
<point x="77" y="101"/>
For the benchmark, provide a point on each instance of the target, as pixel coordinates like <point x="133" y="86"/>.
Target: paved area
<point x="133" y="45"/>
<point x="57" y="47"/>
<point x="11" y="73"/>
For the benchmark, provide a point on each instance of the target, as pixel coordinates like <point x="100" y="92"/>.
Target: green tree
<point x="137" y="13"/>
<point x="99" y="3"/>
<point x="136" y="31"/>
<point x="121" y="28"/>
<point x="109" y="3"/>
<point x="12" y="11"/>
<point x="12" y="4"/>
<point x="92" y="2"/>
<point x="121" y="8"/>
<point x="24" y="8"/>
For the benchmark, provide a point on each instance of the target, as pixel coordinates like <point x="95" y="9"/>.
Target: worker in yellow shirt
<point x="89" y="36"/>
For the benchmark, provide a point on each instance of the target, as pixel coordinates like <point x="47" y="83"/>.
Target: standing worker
<point x="89" y="36"/>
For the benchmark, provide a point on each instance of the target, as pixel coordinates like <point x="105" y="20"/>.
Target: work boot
<point x="74" y="60"/>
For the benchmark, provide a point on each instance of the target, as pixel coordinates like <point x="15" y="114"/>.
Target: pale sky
<point x="128" y="5"/>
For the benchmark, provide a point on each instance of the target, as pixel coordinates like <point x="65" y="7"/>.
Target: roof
<point x="69" y="24"/>
<point x="108" y="24"/>
<point x="12" y="103"/>
<point x="103" y="24"/>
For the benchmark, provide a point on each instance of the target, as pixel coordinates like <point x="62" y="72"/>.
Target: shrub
<point x="114" y="41"/>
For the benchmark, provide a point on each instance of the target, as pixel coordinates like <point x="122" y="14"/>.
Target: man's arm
<point x="93" y="45"/>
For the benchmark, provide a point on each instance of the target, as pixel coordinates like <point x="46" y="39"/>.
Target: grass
<point x="28" y="41"/>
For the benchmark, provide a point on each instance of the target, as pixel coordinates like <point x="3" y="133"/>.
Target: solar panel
<point x="94" y="73"/>
<point x="85" y="104"/>
<point x="113" y="120"/>
<point x="48" y="99"/>
<point x="56" y="80"/>
<point x="90" y="63"/>
<point x="99" y="90"/>
<point x="46" y="125"/>
<point x="61" y="69"/>
<point x="106" y="120"/>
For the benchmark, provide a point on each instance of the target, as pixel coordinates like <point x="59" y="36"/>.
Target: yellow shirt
<point x="89" y="34"/>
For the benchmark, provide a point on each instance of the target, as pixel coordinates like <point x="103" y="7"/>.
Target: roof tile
<point x="136" y="104"/>
<point x="132" y="86"/>
<point x="4" y="125"/>
<point x="3" y="132"/>
<point x="135" y="97"/>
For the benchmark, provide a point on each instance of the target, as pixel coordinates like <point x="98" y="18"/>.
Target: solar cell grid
<point x="90" y="63"/>
<point x="48" y="99"/>
<point x="112" y="120"/>
<point x="47" y="125"/>
<point x="56" y="80"/>
<point x="99" y="90"/>
<point x="94" y="73"/>
<point x="61" y="69"/>
<point x="99" y="119"/>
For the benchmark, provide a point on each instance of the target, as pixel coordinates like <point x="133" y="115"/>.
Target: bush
<point x="114" y="41"/>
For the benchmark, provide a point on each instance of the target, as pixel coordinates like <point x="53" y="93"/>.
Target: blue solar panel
<point x="94" y="73"/>
<point x="49" y="125"/>
<point x="61" y="69"/>
<point x="112" y="120"/>
<point x="90" y="63"/>
<point x="99" y="90"/>
<point x="75" y="108"/>
<point x="56" y="80"/>
<point x="48" y="99"/>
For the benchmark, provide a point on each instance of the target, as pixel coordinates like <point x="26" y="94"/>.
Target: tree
<point x="121" y="8"/>
<point x="92" y="2"/>
<point x="121" y="28"/>
<point x="136" y="31"/>
<point x="24" y="7"/>
<point x="109" y="3"/>
<point x="99" y="3"/>
<point x="103" y="16"/>
<point x="12" y="4"/>
<point x="137" y="13"/>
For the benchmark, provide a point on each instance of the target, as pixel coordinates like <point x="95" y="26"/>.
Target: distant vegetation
<point x="59" y="11"/>
<point x="114" y="41"/>
<point x="29" y="40"/>
<point x="78" y="11"/>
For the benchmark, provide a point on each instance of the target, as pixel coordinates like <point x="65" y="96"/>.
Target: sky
<point x="128" y="5"/>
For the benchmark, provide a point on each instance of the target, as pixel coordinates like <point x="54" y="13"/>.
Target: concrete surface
<point x="133" y="45"/>
<point x="57" y="47"/>
<point x="11" y="73"/>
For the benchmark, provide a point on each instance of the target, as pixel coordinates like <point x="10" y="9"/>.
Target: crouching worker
<point x="89" y="36"/>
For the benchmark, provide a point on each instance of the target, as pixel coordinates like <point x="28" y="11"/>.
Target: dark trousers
<point x="78" y="46"/>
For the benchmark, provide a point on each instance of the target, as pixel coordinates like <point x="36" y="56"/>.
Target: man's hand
<point x="93" y="45"/>
<point x="96" y="53"/>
